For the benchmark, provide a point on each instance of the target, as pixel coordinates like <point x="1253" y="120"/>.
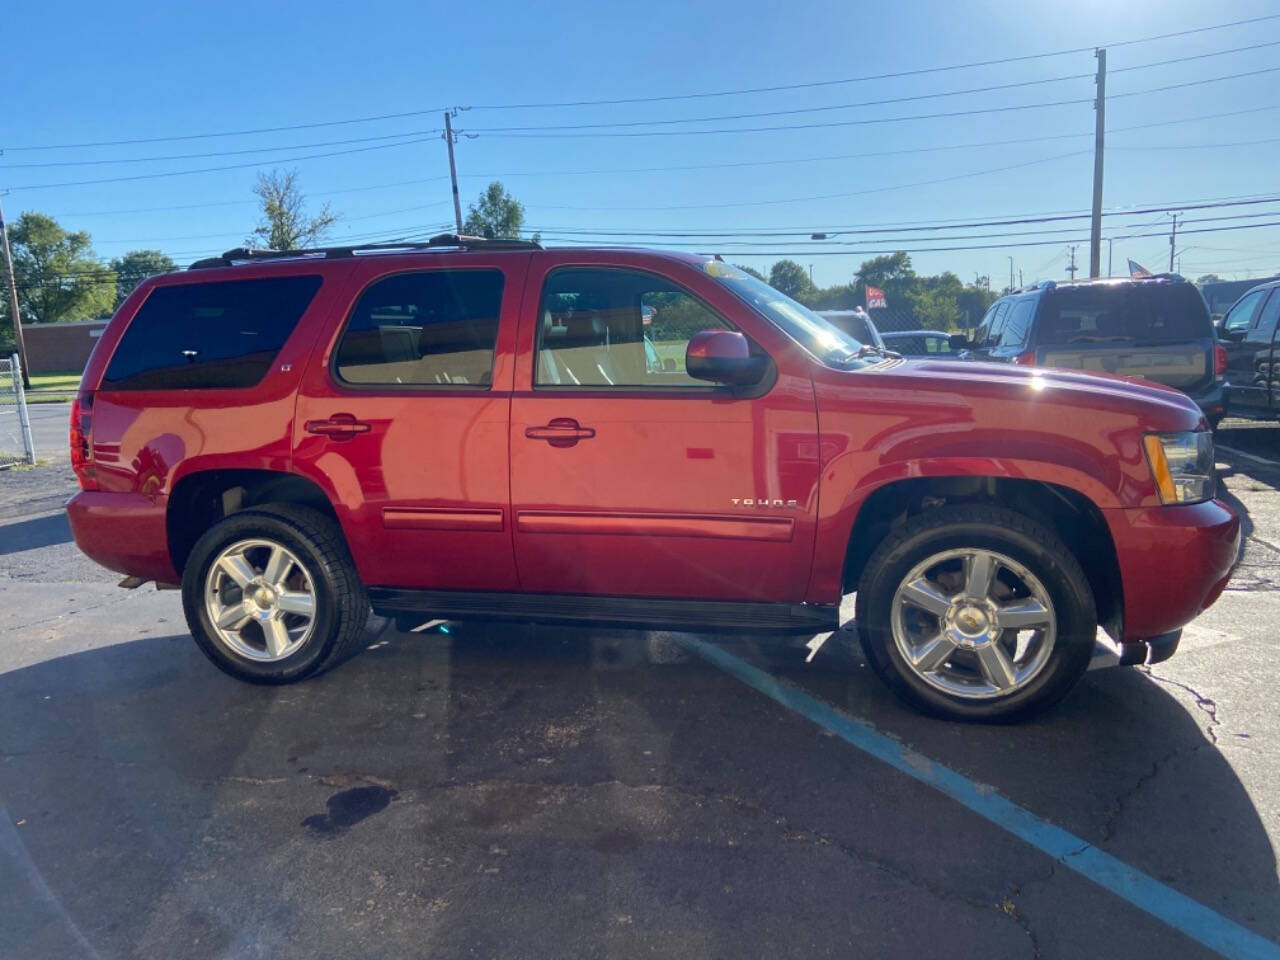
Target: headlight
<point x="1182" y="464"/>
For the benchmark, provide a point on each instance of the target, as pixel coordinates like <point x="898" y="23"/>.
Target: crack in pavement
<point x="1118" y="805"/>
<point x="95" y="607"/>
<point x="1205" y="703"/>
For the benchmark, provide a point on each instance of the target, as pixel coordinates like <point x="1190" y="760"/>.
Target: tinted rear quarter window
<point x="199" y="336"/>
<point x="1151" y="312"/>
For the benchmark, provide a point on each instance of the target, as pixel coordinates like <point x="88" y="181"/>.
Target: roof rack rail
<point x="1040" y="285"/>
<point x="444" y="240"/>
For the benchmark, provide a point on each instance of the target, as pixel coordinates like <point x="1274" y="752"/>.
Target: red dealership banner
<point x="875" y="298"/>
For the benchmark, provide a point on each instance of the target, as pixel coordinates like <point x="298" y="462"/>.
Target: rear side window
<point x="202" y="336"/>
<point x="434" y="328"/>
<point x="1152" y="312"/>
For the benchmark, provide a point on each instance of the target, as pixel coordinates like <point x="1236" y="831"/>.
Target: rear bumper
<point x="1212" y="399"/>
<point x="123" y="532"/>
<point x="1174" y="563"/>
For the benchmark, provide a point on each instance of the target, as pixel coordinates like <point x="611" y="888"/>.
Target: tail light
<point x="82" y="440"/>
<point x="1027" y="359"/>
<point x="1219" y="360"/>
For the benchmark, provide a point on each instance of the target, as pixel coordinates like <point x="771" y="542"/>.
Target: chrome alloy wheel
<point x="973" y="623"/>
<point x="261" y="600"/>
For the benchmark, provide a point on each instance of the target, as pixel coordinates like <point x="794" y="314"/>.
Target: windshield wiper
<point x="871" y="350"/>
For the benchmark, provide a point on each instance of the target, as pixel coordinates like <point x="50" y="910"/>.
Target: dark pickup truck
<point x="1156" y="328"/>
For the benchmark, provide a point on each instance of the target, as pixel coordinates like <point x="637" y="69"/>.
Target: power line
<point x="860" y="79"/>
<point x="501" y="133"/>
<point x="218" y="153"/>
<point x="617" y="124"/>
<point x="829" y="196"/>
<point x="1191" y="83"/>
<point x="796" y="110"/>
<point x="224" y="133"/>
<point x="231" y="203"/>
<point x="1194" y="56"/>
<point x="552" y="234"/>
<point x="233" y="166"/>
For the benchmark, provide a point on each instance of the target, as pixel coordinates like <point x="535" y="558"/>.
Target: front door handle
<point x="341" y="426"/>
<point x="560" y="432"/>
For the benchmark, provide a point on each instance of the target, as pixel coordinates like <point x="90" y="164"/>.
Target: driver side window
<point x="989" y="336"/>
<point x="617" y="328"/>
<point x="1240" y="316"/>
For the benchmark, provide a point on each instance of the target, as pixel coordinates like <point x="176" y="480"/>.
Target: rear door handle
<point x="341" y="426"/>
<point x="560" y="432"/>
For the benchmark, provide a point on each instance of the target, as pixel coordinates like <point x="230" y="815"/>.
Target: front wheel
<point x="272" y="596"/>
<point x="976" y="612"/>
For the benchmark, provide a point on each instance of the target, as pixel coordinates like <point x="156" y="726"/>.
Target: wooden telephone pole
<point x="453" y="172"/>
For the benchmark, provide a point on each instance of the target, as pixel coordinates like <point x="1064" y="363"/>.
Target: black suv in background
<point x="1156" y="328"/>
<point x="1248" y="334"/>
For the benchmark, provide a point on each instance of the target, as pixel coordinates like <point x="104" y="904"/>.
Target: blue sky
<point x="80" y="74"/>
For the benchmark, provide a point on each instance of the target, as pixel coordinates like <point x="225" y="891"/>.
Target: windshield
<point x="826" y="342"/>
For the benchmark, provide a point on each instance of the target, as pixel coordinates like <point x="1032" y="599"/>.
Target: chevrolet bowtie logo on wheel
<point x="762" y="502"/>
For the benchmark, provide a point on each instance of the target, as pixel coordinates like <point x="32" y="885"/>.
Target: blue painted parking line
<point x="1180" y="912"/>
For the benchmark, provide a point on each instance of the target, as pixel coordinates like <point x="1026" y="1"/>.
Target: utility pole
<point x="1019" y="278"/>
<point x="1173" y="238"/>
<point x="14" y="313"/>
<point x="1071" y="265"/>
<point x="1110" y="241"/>
<point x="1011" y="286"/>
<point x="1099" y="133"/>
<point x="453" y="172"/>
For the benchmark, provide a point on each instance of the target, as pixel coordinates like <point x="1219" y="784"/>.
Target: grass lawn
<point x="53" y="387"/>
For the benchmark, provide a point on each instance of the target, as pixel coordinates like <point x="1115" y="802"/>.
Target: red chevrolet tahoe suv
<point x="492" y="430"/>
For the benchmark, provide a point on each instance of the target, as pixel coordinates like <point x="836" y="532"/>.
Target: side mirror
<point x="959" y="341"/>
<point x="723" y="356"/>
<point x="1233" y="335"/>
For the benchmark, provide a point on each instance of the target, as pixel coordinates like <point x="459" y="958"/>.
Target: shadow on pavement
<point x="553" y="793"/>
<point x="33" y="534"/>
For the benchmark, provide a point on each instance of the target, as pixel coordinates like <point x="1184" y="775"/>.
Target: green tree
<point x="135" y="266"/>
<point x="285" y="224"/>
<point x="58" y="277"/>
<point x="1209" y="278"/>
<point x="787" y="276"/>
<point x="495" y="215"/>
<point x="750" y="271"/>
<point x="886" y="270"/>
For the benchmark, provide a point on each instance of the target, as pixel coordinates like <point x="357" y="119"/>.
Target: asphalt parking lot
<point x="473" y="790"/>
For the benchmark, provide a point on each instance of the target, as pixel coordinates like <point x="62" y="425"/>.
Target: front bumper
<point x="124" y="532"/>
<point x="1174" y="563"/>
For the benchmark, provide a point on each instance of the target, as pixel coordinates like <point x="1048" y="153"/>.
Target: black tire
<point x="341" y="602"/>
<point x="1007" y="532"/>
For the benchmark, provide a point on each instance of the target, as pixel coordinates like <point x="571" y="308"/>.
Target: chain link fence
<point x="16" y="445"/>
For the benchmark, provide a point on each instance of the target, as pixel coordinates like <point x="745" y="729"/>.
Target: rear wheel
<point x="976" y="612"/>
<point x="271" y="595"/>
